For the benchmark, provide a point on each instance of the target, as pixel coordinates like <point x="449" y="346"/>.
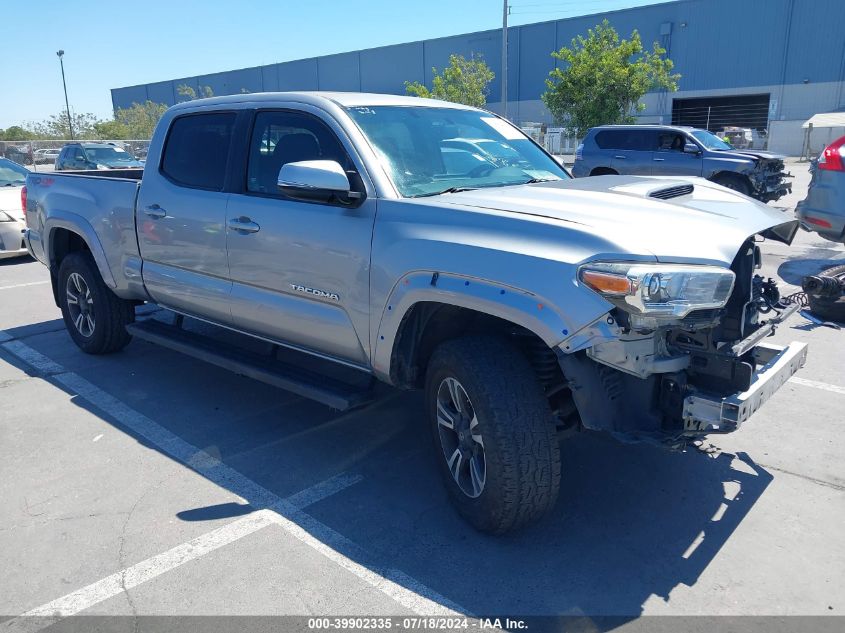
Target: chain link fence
<point x="41" y="155"/>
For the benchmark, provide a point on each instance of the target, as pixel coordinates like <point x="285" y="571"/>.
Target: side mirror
<point x="691" y="148"/>
<point x="318" y="180"/>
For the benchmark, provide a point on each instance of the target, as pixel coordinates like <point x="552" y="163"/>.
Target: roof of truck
<point x="343" y="99"/>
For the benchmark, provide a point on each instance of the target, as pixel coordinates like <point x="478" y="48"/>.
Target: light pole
<point x="64" y="85"/>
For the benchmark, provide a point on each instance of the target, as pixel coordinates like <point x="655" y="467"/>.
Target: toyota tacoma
<point x="428" y="245"/>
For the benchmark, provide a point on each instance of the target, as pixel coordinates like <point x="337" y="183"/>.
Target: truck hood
<point x="708" y="224"/>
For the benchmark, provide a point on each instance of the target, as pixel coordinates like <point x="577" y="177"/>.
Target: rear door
<point x="300" y="270"/>
<point x="671" y="160"/>
<point x="181" y="215"/>
<point x="630" y="149"/>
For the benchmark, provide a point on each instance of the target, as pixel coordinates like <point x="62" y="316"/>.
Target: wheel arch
<point x="427" y="308"/>
<point x="727" y="173"/>
<point x="71" y="234"/>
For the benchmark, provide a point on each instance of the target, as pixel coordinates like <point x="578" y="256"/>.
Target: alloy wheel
<point x="80" y="304"/>
<point x="460" y="437"/>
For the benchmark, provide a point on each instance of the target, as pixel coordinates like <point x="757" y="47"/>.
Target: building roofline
<point x="422" y="41"/>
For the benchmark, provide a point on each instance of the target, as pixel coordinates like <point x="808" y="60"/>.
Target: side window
<point x="610" y="139"/>
<point x="279" y="138"/>
<point x="197" y="148"/>
<point x="670" y="142"/>
<point x="631" y="140"/>
<point x="78" y="154"/>
<point x="641" y="140"/>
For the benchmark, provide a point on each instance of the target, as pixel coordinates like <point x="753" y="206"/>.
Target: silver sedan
<point x="12" y="220"/>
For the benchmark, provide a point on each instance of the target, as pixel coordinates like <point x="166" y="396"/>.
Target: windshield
<point x="11" y="174"/>
<point x="427" y="151"/>
<point x="710" y="140"/>
<point x="108" y="155"/>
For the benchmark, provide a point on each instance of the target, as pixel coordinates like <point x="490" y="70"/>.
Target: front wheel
<point x="734" y="181"/>
<point x="494" y="433"/>
<point x="94" y="316"/>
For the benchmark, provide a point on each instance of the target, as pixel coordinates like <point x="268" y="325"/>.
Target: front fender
<point x="516" y="305"/>
<point x="77" y="224"/>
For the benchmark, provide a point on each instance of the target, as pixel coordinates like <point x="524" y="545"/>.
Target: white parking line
<point x="286" y="513"/>
<point x="32" y="283"/>
<point x="815" y="384"/>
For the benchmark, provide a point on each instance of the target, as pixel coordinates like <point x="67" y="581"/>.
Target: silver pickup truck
<point x="428" y="245"/>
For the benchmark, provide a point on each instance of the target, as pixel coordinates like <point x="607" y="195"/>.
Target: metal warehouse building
<point x="764" y="64"/>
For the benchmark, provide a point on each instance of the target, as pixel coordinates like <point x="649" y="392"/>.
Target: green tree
<point x="15" y="133"/>
<point x="604" y="78"/>
<point x="189" y="93"/>
<point x="140" y="119"/>
<point x="56" y="126"/>
<point x="109" y="130"/>
<point x="463" y="81"/>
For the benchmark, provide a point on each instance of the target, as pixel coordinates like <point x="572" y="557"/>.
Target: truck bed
<point x="79" y="201"/>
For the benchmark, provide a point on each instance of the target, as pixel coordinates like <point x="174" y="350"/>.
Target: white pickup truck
<point x="428" y="245"/>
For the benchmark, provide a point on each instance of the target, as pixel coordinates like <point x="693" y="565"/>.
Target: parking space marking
<point x="286" y="513"/>
<point x="110" y="586"/>
<point x="815" y="384"/>
<point x="31" y="283"/>
<point x="394" y="583"/>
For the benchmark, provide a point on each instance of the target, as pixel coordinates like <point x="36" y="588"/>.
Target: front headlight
<point x="669" y="290"/>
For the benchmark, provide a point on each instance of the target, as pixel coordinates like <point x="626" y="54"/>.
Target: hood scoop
<point x="672" y="192"/>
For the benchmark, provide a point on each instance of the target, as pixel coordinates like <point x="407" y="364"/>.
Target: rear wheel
<point x="735" y="182"/>
<point x="494" y="433"/>
<point x="94" y="316"/>
<point x="604" y="171"/>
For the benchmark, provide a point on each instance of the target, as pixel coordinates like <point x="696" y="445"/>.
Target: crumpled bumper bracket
<point x="704" y="413"/>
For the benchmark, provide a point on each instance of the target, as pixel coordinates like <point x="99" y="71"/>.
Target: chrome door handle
<point x="622" y="157"/>
<point x="660" y="159"/>
<point x="154" y="211"/>
<point x="243" y="225"/>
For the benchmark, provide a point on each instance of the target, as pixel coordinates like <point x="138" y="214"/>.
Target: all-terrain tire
<point x="520" y="444"/>
<point x="109" y="313"/>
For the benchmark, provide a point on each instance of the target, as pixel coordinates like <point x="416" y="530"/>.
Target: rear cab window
<point x="196" y="151"/>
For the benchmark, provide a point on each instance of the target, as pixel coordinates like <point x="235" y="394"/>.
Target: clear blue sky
<point x="113" y="44"/>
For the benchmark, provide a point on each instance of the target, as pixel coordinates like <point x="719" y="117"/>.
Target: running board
<point x="329" y="391"/>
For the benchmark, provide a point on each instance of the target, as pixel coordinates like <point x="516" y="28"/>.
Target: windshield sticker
<point x="503" y="127"/>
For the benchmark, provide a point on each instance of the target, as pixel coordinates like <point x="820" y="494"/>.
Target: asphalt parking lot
<point x="149" y="483"/>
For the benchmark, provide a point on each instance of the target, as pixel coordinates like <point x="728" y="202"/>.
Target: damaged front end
<point x="688" y="363"/>
<point x="768" y="179"/>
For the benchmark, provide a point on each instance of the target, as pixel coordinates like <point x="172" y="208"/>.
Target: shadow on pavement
<point x="793" y="271"/>
<point x="633" y="522"/>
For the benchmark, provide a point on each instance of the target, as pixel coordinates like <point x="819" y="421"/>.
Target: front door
<point x="181" y="215"/>
<point x="300" y="270"/>
<point x="670" y="158"/>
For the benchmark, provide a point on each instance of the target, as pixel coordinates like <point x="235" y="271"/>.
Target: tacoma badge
<point x="317" y="293"/>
